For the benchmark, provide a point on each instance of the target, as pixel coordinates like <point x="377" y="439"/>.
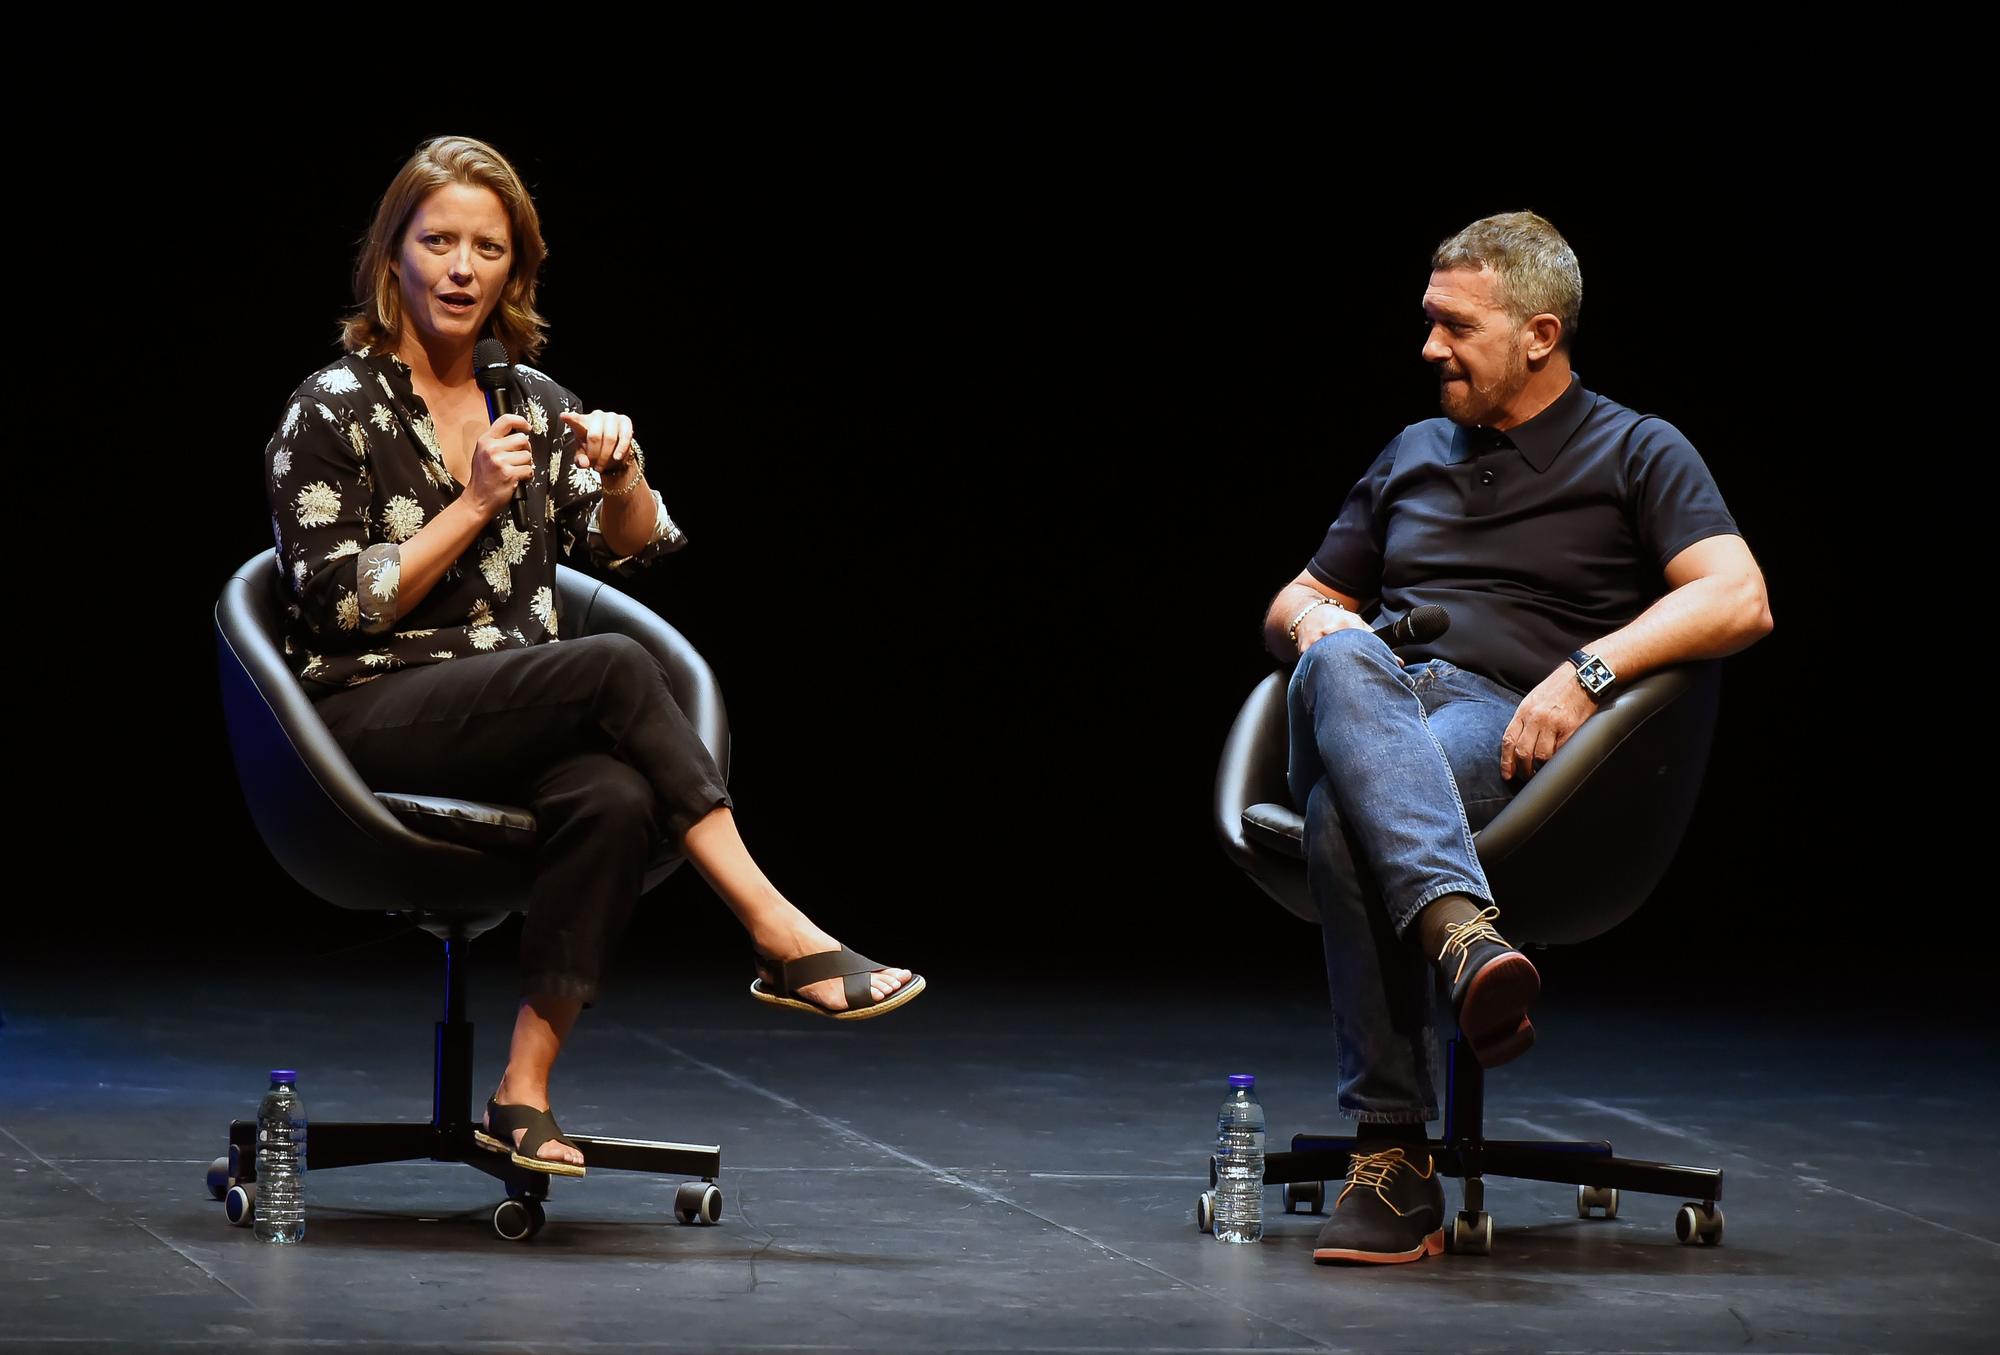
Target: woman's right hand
<point x="501" y="459"/>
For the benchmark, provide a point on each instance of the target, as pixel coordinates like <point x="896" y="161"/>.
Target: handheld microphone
<point x="494" y="371"/>
<point x="1423" y="625"/>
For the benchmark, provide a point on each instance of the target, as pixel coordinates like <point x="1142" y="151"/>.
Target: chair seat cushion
<point x="1277" y="827"/>
<point x="487" y="828"/>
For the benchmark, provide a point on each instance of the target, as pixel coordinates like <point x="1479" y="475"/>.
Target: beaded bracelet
<point x="1292" y="631"/>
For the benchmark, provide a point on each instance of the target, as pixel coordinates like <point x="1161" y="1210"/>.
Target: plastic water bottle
<point x="1239" y="1163"/>
<point x="281" y="1161"/>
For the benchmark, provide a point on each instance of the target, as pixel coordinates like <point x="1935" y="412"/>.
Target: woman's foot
<point x="779" y="932"/>
<point x="801" y="939"/>
<point x="536" y="1098"/>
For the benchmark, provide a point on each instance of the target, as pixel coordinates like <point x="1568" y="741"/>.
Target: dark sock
<point x="1371" y="1137"/>
<point x="1447" y="910"/>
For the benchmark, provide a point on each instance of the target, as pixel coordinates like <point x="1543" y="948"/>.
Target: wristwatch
<point x="1593" y="674"/>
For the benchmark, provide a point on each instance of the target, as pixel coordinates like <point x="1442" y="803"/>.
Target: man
<point x="1576" y="544"/>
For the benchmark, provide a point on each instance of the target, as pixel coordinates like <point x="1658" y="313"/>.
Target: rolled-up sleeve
<point x="378" y="572"/>
<point x="576" y="497"/>
<point x="342" y="581"/>
<point x="665" y="540"/>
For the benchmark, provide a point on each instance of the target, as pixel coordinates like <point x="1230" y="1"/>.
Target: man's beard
<point x="1470" y="405"/>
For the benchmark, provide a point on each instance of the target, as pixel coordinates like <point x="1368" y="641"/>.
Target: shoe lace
<point x="1460" y="936"/>
<point x="1373" y="1171"/>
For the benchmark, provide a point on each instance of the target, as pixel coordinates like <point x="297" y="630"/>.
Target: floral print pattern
<point x="355" y="469"/>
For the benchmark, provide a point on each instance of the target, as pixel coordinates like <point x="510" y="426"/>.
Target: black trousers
<point x="587" y="735"/>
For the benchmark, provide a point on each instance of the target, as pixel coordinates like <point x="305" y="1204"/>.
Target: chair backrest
<point x="1251" y="773"/>
<point x="1575" y="853"/>
<point x="323" y="823"/>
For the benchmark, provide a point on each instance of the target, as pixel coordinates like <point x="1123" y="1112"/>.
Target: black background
<point x="995" y="423"/>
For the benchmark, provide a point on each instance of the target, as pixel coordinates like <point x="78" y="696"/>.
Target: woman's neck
<point x="434" y="364"/>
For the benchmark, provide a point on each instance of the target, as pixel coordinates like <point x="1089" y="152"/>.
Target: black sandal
<point x="852" y="968"/>
<point x="541" y="1126"/>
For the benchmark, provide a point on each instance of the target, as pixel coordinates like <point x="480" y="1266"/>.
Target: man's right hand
<point x="1321" y="622"/>
<point x="1290" y="629"/>
<point x="501" y="459"/>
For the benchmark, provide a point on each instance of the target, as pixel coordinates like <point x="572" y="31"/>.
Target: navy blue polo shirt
<point x="1537" y="540"/>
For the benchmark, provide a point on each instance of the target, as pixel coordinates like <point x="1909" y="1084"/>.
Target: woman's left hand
<point x="602" y="439"/>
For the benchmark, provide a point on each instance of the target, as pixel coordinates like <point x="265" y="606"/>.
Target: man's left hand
<point x="1543" y="722"/>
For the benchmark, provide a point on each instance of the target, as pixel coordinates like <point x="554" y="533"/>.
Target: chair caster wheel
<point x="1472" y="1234"/>
<point x="1305" y="1197"/>
<point x="239" y="1203"/>
<point x="218" y="1177"/>
<point x="1699" y="1223"/>
<point x="1204" y="1212"/>
<point x="518" y="1220"/>
<point x="1597" y="1197"/>
<point x="698" y="1202"/>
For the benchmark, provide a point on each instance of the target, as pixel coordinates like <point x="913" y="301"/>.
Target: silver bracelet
<point x="1292" y="631"/>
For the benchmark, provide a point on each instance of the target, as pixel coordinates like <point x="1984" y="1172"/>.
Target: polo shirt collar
<point x="1540" y="438"/>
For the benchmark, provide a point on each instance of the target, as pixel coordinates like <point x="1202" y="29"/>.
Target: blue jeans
<point x="1393" y="769"/>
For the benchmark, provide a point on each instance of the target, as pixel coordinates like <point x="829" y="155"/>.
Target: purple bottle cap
<point x="1242" y="1080"/>
<point x="287" y="1075"/>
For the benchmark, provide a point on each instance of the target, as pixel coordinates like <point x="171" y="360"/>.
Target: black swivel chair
<point x="458" y="867"/>
<point x="1610" y="808"/>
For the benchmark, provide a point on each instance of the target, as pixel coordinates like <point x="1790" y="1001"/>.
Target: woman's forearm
<point x="427" y="555"/>
<point x="627" y="522"/>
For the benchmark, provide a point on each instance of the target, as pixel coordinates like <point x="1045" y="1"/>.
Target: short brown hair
<point x="377" y="323"/>
<point x="1533" y="265"/>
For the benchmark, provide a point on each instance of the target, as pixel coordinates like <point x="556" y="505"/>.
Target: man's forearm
<point x="1285" y="611"/>
<point x="1706" y="618"/>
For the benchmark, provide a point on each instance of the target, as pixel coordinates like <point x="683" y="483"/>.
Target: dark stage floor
<point x="978" y="1172"/>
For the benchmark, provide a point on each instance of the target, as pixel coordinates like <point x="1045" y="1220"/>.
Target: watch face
<point x="1595" y="675"/>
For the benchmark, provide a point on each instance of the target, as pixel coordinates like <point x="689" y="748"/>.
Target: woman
<point x="419" y="539"/>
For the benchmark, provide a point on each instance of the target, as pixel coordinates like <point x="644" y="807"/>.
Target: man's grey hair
<point x="1534" y="267"/>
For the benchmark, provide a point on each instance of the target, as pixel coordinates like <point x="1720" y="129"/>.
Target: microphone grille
<point x="490" y="363"/>
<point x="1428" y="622"/>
